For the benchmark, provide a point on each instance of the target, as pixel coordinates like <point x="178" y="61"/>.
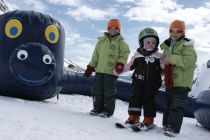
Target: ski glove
<point x="119" y="67"/>
<point x="89" y="71"/>
<point x="168" y="76"/>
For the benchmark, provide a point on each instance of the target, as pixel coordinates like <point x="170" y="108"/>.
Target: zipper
<point x="147" y="71"/>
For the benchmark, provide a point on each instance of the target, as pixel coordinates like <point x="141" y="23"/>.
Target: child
<point x="146" y="79"/>
<point x="111" y="52"/>
<point x="180" y="59"/>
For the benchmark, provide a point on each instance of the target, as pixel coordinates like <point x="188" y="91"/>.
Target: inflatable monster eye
<point x="22" y="54"/>
<point x="52" y="34"/>
<point x="13" y="28"/>
<point x="47" y="59"/>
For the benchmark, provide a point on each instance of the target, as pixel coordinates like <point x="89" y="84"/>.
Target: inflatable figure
<point x="31" y="55"/>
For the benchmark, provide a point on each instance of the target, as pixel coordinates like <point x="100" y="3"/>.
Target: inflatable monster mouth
<point x="32" y="64"/>
<point x="33" y="81"/>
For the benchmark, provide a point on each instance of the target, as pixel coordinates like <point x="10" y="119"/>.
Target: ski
<point x="137" y="128"/>
<point x="120" y="125"/>
<point x="123" y="126"/>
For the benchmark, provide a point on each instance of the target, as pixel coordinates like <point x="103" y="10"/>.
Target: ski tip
<point x="135" y="128"/>
<point x="119" y="125"/>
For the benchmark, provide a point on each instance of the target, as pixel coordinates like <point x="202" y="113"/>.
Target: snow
<point x="69" y="119"/>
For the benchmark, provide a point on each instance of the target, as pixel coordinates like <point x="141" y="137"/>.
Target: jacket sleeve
<point x="127" y="67"/>
<point x="94" y="59"/>
<point x="186" y="59"/>
<point x="165" y="47"/>
<point x="124" y="52"/>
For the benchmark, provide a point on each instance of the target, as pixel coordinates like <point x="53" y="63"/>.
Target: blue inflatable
<point x="31" y="55"/>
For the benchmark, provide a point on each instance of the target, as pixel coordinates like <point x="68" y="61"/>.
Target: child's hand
<point x="166" y="61"/>
<point x="89" y="71"/>
<point x="119" y="67"/>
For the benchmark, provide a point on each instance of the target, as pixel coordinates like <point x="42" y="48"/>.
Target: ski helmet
<point x="147" y="32"/>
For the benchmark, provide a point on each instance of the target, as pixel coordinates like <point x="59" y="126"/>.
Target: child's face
<point x="175" y="34"/>
<point x="149" y="43"/>
<point x="113" y="31"/>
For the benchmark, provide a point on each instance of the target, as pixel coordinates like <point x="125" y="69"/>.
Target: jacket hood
<point x="189" y="42"/>
<point x="106" y="35"/>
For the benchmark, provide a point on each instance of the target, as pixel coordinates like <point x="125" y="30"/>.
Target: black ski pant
<point x="143" y="97"/>
<point x="176" y="101"/>
<point x="104" y="93"/>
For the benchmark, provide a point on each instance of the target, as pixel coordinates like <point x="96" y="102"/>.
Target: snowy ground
<point x="68" y="119"/>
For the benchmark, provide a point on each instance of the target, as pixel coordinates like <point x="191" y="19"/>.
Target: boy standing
<point x="180" y="59"/>
<point x="110" y="54"/>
